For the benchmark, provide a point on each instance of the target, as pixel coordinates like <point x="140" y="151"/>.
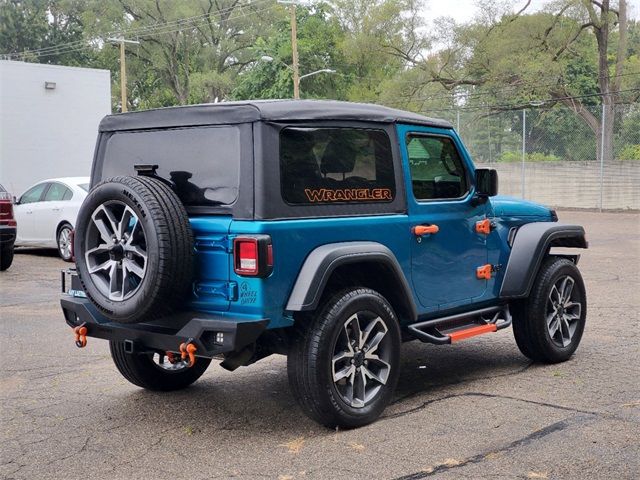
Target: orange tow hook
<point x="188" y="349"/>
<point x="81" y="336"/>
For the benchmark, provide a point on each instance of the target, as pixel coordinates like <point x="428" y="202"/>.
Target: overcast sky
<point x="465" y="10"/>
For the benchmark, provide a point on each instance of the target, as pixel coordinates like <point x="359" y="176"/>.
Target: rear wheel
<point x="344" y="365"/>
<point x="155" y="371"/>
<point x="548" y="325"/>
<point x="6" y="256"/>
<point x="64" y="242"/>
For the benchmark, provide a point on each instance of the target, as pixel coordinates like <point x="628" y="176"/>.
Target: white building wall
<point x="49" y="133"/>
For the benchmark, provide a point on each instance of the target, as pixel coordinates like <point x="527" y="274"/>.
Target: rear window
<point x="203" y="163"/>
<point x="336" y="165"/>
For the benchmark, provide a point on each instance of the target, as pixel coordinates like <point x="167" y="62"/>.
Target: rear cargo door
<point x="212" y="289"/>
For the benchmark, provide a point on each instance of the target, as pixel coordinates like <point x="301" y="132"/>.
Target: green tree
<point x="575" y="53"/>
<point x="319" y="36"/>
<point x="31" y="29"/>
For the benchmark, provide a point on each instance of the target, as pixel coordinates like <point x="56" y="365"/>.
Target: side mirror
<point x="15" y="201"/>
<point x="486" y="182"/>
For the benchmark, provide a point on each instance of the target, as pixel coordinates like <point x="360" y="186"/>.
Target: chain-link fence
<point x="553" y="156"/>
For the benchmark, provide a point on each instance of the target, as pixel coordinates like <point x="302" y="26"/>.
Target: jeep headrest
<point x="338" y="157"/>
<point x="297" y="152"/>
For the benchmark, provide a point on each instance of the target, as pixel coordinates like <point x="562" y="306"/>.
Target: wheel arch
<point x="337" y="265"/>
<point x="531" y="245"/>
<point x="61" y="223"/>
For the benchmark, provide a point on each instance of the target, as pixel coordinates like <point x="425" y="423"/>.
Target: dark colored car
<point x="8" y="228"/>
<point x="327" y="231"/>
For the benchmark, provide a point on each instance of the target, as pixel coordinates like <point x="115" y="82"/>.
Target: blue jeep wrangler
<point x="326" y="231"/>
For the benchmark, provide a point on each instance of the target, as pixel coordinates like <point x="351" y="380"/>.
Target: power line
<point x="503" y="90"/>
<point x="146" y="31"/>
<point x="489" y="107"/>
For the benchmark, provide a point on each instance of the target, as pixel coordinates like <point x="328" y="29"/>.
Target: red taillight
<point x="6" y="214"/>
<point x="247" y="256"/>
<point x="253" y="256"/>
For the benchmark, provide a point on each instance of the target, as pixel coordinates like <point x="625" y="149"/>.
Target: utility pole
<point x="123" y="69"/>
<point x="294" y="47"/>
<point x="524" y="147"/>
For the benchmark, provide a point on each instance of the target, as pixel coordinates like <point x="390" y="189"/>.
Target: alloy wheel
<point x="564" y="310"/>
<point x="116" y="250"/>
<point x="64" y="242"/>
<point x="360" y="365"/>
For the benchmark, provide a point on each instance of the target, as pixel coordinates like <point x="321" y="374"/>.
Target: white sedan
<point x="46" y="213"/>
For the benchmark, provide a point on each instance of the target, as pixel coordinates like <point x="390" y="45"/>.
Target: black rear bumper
<point x="212" y="334"/>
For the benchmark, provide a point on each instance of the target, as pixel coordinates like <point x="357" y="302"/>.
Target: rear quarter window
<point x="336" y="165"/>
<point x="202" y="162"/>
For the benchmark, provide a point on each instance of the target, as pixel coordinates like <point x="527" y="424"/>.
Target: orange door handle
<point x="420" y="230"/>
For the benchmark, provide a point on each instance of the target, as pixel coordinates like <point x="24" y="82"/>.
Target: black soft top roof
<point x="263" y="110"/>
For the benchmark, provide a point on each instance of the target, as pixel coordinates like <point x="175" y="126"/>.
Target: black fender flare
<point x="323" y="260"/>
<point x="531" y="244"/>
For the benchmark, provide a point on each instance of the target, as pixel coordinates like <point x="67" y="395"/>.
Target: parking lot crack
<point x="526" y="440"/>
<point x="423" y="405"/>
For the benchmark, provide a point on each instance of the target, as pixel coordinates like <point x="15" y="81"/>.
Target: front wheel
<point x="155" y="371"/>
<point x="343" y="366"/>
<point x="548" y="325"/>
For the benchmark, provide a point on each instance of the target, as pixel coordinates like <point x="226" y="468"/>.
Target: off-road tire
<point x="6" y="257"/>
<point x="169" y="272"/>
<point x="530" y="326"/>
<point x="141" y="370"/>
<point x="309" y="362"/>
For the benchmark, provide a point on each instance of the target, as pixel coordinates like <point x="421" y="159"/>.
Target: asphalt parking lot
<point x="475" y="410"/>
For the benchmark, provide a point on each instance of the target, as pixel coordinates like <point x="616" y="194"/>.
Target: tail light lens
<point x="253" y="256"/>
<point x="6" y="214"/>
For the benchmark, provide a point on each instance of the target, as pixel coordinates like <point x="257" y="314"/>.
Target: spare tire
<point x="134" y="249"/>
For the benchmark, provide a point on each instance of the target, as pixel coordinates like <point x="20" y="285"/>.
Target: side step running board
<point x="445" y="330"/>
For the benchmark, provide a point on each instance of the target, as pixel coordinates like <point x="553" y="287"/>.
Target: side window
<point x="437" y="171"/>
<point x="68" y="194"/>
<point x="33" y="194"/>
<point x="57" y="192"/>
<point x="336" y="165"/>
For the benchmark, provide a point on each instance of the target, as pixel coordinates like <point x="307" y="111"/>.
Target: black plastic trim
<point x="322" y="261"/>
<point x="531" y="244"/>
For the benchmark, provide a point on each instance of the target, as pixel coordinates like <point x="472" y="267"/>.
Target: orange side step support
<point x="472" y="332"/>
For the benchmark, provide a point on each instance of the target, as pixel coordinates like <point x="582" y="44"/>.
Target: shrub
<point x="512" y="156"/>
<point x="630" y="152"/>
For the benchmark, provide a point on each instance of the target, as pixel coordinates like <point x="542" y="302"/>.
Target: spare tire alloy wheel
<point x="116" y="250"/>
<point x="134" y="249"/>
<point x="360" y="364"/>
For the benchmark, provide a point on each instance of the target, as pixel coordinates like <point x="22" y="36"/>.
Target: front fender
<point x="530" y="246"/>
<point x="322" y="261"/>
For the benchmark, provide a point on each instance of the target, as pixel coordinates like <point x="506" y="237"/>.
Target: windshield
<point x="202" y="162"/>
<point x="84" y="186"/>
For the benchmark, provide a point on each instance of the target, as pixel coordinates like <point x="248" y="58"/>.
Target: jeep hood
<point x="516" y="207"/>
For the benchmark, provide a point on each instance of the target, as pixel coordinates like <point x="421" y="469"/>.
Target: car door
<point x="48" y="214"/>
<point x="24" y="213"/>
<point x="446" y="250"/>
